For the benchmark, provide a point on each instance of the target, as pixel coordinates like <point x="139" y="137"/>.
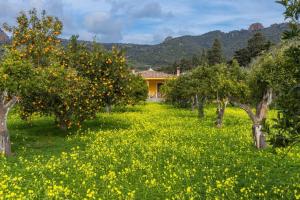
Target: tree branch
<point x="246" y="108"/>
<point x="263" y="105"/>
<point x="11" y="102"/>
<point x="3" y="97"/>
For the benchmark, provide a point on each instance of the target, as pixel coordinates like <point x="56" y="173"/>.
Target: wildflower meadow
<point x="151" y="151"/>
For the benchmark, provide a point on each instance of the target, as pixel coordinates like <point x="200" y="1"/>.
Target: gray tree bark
<point x="201" y="103"/>
<point x="220" y="113"/>
<point x="193" y="103"/>
<point x="258" y="136"/>
<point x="108" y="108"/>
<point x="258" y="117"/>
<point x="5" y="144"/>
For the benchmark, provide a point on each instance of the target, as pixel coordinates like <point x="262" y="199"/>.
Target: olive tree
<point x="286" y="130"/>
<point x="286" y="83"/>
<point x="276" y="72"/>
<point x="292" y="13"/>
<point x="192" y="89"/>
<point x="180" y="92"/>
<point x="205" y="80"/>
<point x="231" y="81"/>
<point x="259" y="93"/>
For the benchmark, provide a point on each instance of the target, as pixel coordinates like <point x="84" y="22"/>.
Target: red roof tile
<point x="154" y="74"/>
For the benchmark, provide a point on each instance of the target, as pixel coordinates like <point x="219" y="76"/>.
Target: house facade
<point x="155" y="80"/>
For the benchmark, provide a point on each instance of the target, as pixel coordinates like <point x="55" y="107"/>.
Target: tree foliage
<point x="179" y="91"/>
<point x="137" y="90"/>
<point x="215" y="83"/>
<point x="16" y="73"/>
<point x="286" y="130"/>
<point x="71" y="83"/>
<point x="18" y="77"/>
<point x="37" y="35"/>
<point x="186" y="65"/>
<point x="271" y="75"/>
<point x="75" y="82"/>
<point x="292" y="13"/>
<point x="215" y="54"/>
<point x="256" y="46"/>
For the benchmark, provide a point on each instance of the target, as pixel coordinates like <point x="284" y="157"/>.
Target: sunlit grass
<point x="152" y="151"/>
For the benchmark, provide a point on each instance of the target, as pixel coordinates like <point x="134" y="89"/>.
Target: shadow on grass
<point x="127" y="109"/>
<point x="105" y="122"/>
<point x="41" y="136"/>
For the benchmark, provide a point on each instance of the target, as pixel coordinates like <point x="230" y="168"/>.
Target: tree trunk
<point x="5" y="145"/>
<point x="220" y="113"/>
<point x="259" y="139"/>
<point x="258" y="136"/>
<point x="201" y="104"/>
<point x="108" y="108"/>
<point x="193" y="103"/>
<point x="5" y="105"/>
<point x="62" y="120"/>
<point x="258" y="118"/>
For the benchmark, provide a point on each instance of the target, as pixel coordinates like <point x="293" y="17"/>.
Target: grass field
<point x="152" y="151"/>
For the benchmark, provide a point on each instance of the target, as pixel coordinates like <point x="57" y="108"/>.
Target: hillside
<point x="3" y="37"/>
<point x="173" y="49"/>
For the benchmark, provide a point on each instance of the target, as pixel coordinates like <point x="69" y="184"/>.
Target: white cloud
<point x="147" y="21"/>
<point x="102" y="24"/>
<point x="139" y="38"/>
<point x="151" y="10"/>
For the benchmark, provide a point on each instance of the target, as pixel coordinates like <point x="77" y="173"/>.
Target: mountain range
<point x="174" y="49"/>
<point x="3" y="37"/>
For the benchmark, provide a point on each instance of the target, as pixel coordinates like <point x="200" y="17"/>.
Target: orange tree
<point x="113" y="74"/>
<point x="107" y="71"/>
<point x="58" y="89"/>
<point x="32" y="47"/>
<point x="109" y="79"/>
<point x="17" y="77"/>
<point x="58" y="95"/>
<point x="75" y="82"/>
<point x="86" y="103"/>
<point x="137" y="90"/>
<point x="38" y="37"/>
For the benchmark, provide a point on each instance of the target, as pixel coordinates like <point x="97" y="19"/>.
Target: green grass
<point x="151" y="151"/>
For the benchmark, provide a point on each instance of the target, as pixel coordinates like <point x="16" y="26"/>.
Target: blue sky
<point x="148" y="21"/>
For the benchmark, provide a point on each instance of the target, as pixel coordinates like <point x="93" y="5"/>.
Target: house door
<point x="159" y="90"/>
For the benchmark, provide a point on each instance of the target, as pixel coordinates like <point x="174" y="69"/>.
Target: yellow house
<point x="155" y="80"/>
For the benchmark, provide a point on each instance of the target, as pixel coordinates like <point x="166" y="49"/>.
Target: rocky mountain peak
<point x="256" y="27"/>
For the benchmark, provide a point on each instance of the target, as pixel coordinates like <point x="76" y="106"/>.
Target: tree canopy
<point x="71" y="83"/>
<point x="215" y="54"/>
<point x="256" y="46"/>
